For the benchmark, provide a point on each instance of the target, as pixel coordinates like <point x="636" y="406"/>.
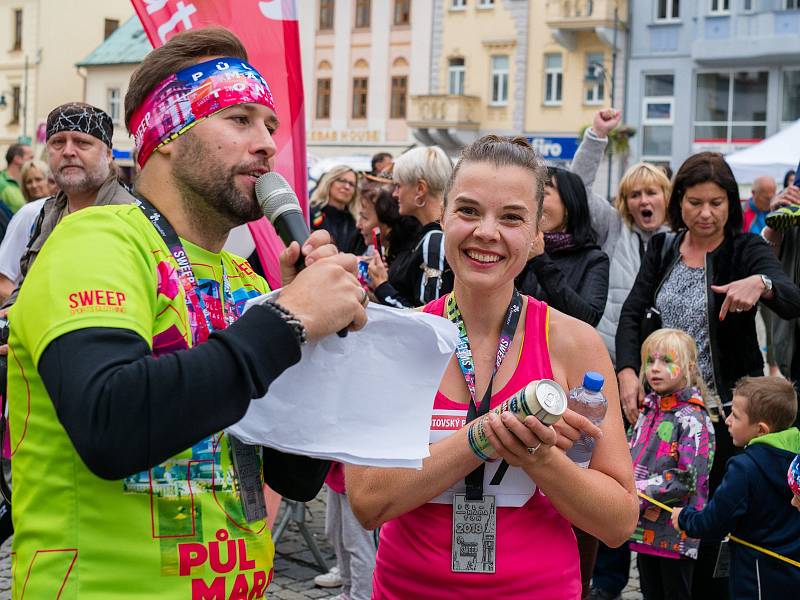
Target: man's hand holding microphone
<point x="320" y="285"/>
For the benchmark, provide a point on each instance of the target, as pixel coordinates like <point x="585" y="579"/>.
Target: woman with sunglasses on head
<point x="333" y="208"/>
<point x="420" y="176"/>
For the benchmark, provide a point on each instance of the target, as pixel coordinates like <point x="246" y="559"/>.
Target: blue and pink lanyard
<point x="474" y="481"/>
<point x="195" y="302"/>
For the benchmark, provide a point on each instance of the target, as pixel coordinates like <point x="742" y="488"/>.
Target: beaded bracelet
<point x="289" y="318"/>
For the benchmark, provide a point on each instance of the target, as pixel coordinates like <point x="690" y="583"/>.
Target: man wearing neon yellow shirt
<point x="129" y="354"/>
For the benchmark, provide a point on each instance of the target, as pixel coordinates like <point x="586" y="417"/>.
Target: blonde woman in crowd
<point x="37" y="182"/>
<point x="623" y="229"/>
<point x="420" y="177"/>
<point x="334" y="208"/>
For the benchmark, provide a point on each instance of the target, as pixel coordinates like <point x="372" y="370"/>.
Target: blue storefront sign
<point x="554" y="148"/>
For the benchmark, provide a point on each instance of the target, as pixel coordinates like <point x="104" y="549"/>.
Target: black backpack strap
<point x="433" y="265"/>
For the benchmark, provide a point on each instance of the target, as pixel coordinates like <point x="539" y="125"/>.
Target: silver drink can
<point x="544" y="399"/>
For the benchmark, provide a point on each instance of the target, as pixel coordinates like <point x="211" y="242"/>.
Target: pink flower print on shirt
<point x="167" y="279"/>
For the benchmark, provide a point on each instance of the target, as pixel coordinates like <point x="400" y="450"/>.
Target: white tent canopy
<point x="774" y="156"/>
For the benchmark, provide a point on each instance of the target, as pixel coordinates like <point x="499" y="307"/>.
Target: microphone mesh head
<point x="275" y="196"/>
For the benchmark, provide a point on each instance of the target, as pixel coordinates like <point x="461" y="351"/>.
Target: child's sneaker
<point x="784" y="217"/>
<point x="331" y="579"/>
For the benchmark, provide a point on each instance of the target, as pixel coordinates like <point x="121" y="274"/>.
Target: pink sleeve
<point x="335" y="478"/>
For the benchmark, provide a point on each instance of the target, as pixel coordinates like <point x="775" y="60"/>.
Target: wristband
<point x="473" y="443"/>
<point x="287" y="317"/>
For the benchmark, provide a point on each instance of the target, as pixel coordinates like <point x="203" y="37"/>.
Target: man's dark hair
<point x="15" y="150"/>
<point x="379" y="157"/>
<point x="702" y="168"/>
<point x="771" y="400"/>
<point x="573" y="196"/>
<point x="184" y="50"/>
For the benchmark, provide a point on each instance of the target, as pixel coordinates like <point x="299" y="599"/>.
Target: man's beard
<point x="209" y="190"/>
<point x="88" y="180"/>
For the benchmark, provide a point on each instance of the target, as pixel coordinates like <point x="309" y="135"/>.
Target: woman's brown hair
<point x="701" y="168"/>
<point x="504" y="151"/>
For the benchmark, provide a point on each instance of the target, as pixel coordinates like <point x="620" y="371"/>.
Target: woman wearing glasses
<point x="333" y="208"/>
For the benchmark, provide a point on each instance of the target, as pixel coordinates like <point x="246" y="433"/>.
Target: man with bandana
<point x="130" y="353"/>
<point x="79" y="153"/>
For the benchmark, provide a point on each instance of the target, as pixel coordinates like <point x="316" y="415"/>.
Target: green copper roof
<point x="127" y="45"/>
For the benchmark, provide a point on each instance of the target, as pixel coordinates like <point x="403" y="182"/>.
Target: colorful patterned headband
<point x="794" y="475"/>
<point x="191" y="95"/>
<point x="84" y="118"/>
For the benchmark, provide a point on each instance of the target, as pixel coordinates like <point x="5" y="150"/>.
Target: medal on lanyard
<point x="246" y="459"/>
<point x="475" y="514"/>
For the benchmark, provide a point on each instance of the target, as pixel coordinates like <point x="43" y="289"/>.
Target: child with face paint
<point x="672" y="448"/>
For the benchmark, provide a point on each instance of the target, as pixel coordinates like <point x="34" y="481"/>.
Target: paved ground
<point x="295" y="567"/>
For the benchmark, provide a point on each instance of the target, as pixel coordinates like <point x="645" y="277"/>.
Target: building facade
<point x="538" y="69"/>
<point x="361" y="61"/>
<point x="711" y="75"/>
<point x="44" y="40"/>
<point x="107" y="71"/>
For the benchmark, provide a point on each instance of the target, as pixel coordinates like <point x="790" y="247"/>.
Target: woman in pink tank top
<point x="452" y="529"/>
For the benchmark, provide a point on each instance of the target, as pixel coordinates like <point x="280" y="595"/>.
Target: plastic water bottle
<point x="589" y="401"/>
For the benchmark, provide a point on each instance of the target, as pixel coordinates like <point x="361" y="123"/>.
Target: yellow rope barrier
<point x="730" y="537"/>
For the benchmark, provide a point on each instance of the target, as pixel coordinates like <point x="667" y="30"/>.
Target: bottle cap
<point x="593" y="381"/>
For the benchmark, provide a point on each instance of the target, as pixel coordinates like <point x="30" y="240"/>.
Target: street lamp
<point x="591" y="75"/>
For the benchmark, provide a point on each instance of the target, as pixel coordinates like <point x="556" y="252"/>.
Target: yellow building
<point x="539" y="68"/>
<point x="43" y="40"/>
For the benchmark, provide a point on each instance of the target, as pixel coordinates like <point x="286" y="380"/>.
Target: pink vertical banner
<point x="270" y="32"/>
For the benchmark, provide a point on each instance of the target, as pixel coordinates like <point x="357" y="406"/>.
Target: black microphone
<point x="281" y="206"/>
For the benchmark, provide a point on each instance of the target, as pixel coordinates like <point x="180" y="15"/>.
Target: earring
<point x="418" y="205"/>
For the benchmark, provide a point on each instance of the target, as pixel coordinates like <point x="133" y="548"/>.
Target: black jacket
<point x="753" y="504"/>
<point x="573" y="280"/>
<point x="409" y="283"/>
<point x="342" y="227"/>
<point x="734" y="347"/>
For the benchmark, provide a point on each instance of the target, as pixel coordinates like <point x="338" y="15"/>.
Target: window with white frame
<point x="719" y="7"/>
<point x="458" y="4"/>
<point x="595" y="79"/>
<point x="500" y="71"/>
<point x="747" y="6"/>
<point x="792" y="5"/>
<point x="113" y="104"/>
<point x="730" y="107"/>
<point x="485" y="3"/>
<point x="790" y="92"/>
<point x="658" y="108"/>
<point x="553" y="78"/>
<point x="455" y="77"/>
<point x="668" y="10"/>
